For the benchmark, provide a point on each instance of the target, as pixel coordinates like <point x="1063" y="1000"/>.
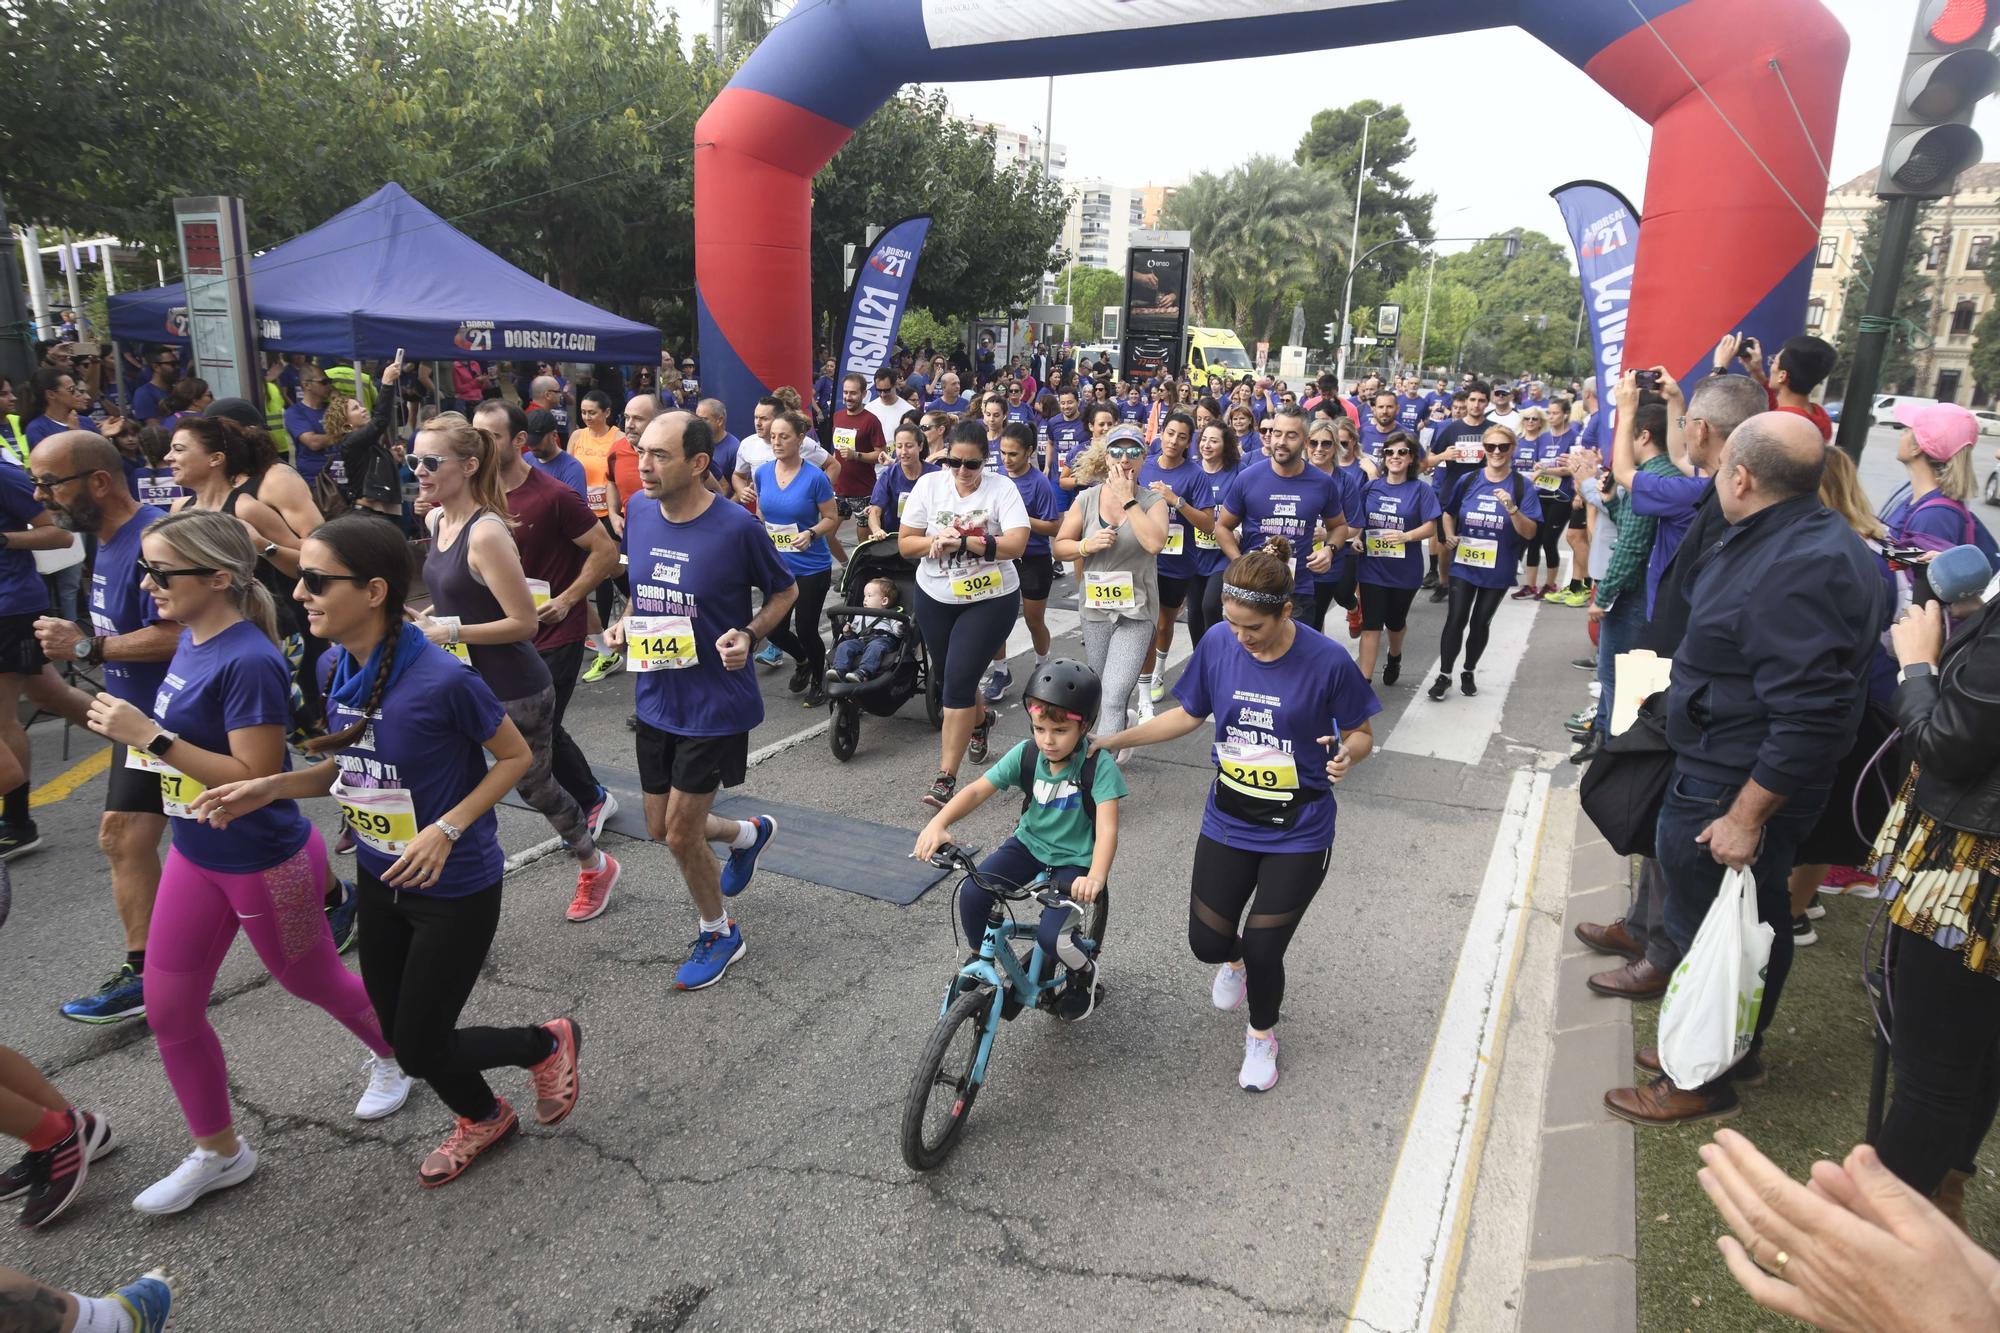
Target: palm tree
<point x="746" y="22"/>
<point x="1259" y="235"/>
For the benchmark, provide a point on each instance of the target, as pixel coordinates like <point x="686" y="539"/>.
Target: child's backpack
<point x="1086" y="779"/>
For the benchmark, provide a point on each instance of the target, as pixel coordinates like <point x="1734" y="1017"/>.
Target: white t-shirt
<point x="889" y="413"/>
<point x="753" y="451"/>
<point x="936" y="506"/>
<point x="1510" y="419"/>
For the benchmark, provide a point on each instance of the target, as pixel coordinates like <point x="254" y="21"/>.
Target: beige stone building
<point x="1956" y="240"/>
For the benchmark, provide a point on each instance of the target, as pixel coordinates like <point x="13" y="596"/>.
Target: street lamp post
<point x="1354" y="240"/>
<point x="1424" y="341"/>
<point x="1428" y="242"/>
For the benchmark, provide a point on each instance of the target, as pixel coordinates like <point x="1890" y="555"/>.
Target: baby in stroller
<point x="868" y="645"/>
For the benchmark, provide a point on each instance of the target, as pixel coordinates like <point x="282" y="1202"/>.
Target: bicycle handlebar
<point x="950" y="856"/>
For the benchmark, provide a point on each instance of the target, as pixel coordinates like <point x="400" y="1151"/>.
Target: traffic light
<point x="1949" y="68"/>
<point x="1332" y="333"/>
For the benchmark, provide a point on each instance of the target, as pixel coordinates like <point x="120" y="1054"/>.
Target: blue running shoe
<point x="997" y="681"/>
<point x="340" y="917"/>
<point x="123" y="996"/>
<point x="743" y="864"/>
<point x="713" y="953"/>
<point x="147" y="1300"/>
<point x="770" y="655"/>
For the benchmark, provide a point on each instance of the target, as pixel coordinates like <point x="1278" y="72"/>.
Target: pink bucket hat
<point x="1943" y="429"/>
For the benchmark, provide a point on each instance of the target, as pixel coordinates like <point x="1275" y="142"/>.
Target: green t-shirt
<point x="1054" y="827"/>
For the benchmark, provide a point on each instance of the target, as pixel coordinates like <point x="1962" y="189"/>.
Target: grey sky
<point x="1491" y="166"/>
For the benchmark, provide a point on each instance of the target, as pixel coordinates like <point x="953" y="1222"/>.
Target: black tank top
<point x="291" y="616"/>
<point x="512" y="670"/>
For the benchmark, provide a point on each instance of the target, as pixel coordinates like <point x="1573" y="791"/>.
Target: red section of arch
<point x="750" y="266"/>
<point x="1694" y="284"/>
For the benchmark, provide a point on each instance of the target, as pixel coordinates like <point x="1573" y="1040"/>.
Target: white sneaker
<point x="1231" y="985"/>
<point x="1260" y="1063"/>
<point x="199" y="1173"/>
<point x="1815" y="912"/>
<point x="1145" y="708"/>
<point x="1159" y="690"/>
<point x="1595" y="686"/>
<point x="388" y="1088"/>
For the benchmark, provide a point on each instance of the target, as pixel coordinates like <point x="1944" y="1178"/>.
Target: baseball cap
<point x="540" y="422"/>
<point x="237" y="410"/>
<point x="1124" y="433"/>
<point x="1942" y="429"/>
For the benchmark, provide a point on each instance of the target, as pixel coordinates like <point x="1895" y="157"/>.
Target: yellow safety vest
<point x="274" y="417"/>
<point x="16" y="442"/>
<point x="343" y="380"/>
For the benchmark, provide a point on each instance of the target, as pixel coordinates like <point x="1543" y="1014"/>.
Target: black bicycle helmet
<point x="1070" y="685"/>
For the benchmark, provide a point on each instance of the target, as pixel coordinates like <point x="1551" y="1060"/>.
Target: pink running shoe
<point x="556" y="1080"/>
<point x="461" y="1147"/>
<point x="593" y="891"/>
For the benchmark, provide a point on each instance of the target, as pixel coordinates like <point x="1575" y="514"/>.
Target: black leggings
<point x="1199" y="618"/>
<point x="1283" y="885"/>
<point x="1946" y="1045"/>
<point x="420" y="957"/>
<point x="798" y="632"/>
<point x="1548" y="538"/>
<point x="960" y="639"/>
<point x="1385" y="608"/>
<point x="1473" y="605"/>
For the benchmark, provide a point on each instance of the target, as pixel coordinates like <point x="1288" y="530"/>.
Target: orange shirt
<point x="594" y="450"/>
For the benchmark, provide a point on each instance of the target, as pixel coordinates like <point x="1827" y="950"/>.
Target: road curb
<point x="1583" y="1250"/>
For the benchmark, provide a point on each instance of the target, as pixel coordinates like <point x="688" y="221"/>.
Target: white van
<point x="1883" y="413"/>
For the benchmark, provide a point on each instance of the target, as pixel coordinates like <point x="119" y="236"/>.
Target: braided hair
<point x="371" y="549"/>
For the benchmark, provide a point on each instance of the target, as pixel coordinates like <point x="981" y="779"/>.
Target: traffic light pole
<point x="1899" y="223"/>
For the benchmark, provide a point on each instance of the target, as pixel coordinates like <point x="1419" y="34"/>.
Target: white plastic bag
<point x="1710" y="1010"/>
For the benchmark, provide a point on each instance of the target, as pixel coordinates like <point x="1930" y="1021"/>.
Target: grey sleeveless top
<point x="511" y="670"/>
<point x="1125" y="555"/>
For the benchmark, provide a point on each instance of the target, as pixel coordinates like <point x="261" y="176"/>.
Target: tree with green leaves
<point x="1453" y="307"/>
<point x="1257" y="232"/>
<point x="1912" y="314"/>
<point x="1087" y="290"/>
<point x="1391" y="205"/>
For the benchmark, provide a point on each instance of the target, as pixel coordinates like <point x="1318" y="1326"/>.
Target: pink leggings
<point x="283" y="912"/>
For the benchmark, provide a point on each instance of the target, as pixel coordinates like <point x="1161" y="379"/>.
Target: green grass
<point x="1815" y="1106"/>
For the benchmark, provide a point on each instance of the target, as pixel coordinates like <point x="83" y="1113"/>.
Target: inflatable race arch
<point x="1734" y="189"/>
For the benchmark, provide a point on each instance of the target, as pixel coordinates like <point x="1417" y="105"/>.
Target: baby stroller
<point x="883" y="694"/>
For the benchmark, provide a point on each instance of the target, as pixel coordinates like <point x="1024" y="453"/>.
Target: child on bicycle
<point x="869" y="643"/>
<point x="1068" y="826"/>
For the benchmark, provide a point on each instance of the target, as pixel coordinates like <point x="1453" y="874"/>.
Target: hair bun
<point x="1279" y="548"/>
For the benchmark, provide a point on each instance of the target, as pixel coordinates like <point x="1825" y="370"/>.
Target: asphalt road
<point x="733" y="1163"/>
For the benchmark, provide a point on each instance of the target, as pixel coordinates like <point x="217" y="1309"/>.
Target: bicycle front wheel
<point x="942" y="1091"/>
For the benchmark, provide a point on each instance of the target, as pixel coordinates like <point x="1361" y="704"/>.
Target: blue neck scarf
<point x="350" y="685"/>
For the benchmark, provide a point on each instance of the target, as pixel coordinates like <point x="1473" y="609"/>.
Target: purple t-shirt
<point x="238" y="679"/>
<point x="1673" y="501"/>
<point x="1288" y="507"/>
<point x="119" y="606"/>
<point x="890" y="488"/>
<point x="1480" y="518"/>
<point x="1043" y="500"/>
<point x="1190" y="483"/>
<point x="1396" y="507"/>
<point x="1286" y="705"/>
<point x="703" y="569"/>
<point x="22" y="592"/>
<point x="429" y="739"/>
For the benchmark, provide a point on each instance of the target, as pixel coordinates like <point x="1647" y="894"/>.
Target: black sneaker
<point x="943" y="788"/>
<point x="1439" y="687"/>
<point x="14" y="1181"/>
<point x="1392" y="671"/>
<point x="18" y="840"/>
<point x="800" y="679"/>
<point x="975" y="749"/>
<point x="1430" y="579"/>
<point x="1466" y="685"/>
<point x="340" y="917"/>
<point x="56" y="1175"/>
<point x="1080" y="994"/>
<point x="1584" y="663"/>
<point x="1803" y="932"/>
<point x="815" y="694"/>
<point x="1440" y="593"/>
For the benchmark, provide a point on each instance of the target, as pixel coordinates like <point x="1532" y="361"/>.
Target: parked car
<point x="1989" y="422"/>
<point x="1884" y="410"/>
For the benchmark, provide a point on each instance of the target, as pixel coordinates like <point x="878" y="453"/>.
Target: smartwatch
<point x="161" y="743"/>
<point x="1916" y="670"/>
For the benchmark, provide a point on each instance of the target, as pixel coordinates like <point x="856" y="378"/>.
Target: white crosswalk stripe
<point x="1457" y="728"/>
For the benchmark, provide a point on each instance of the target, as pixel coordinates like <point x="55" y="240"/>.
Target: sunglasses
<point x="1499" y="447"/>
<point x="963" y="464"/>
<point x="428" y="462"/>
<point x="1322" y="442"/>
<point x="159" y="574"/>
<point x="1127" y="451"/>
<point x="1395" y="453"/>
<point x="315" y="580"/>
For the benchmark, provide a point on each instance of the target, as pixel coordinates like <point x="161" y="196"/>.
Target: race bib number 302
<point x="978" y="583"/>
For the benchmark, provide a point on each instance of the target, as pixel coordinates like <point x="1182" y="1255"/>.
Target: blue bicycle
<point x="995" y="984"/>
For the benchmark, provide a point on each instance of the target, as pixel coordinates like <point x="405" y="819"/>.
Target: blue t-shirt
<point x="721" y="463"/>
<point x="1673" y="501"/>
<point x="1288" y="507"/>
<point x="1129" y="410"/>
<point x="1042" y="498"/>
<point x="1410" y="412"/>
<point x="42" y="427"/>
<point x="1395" y="507"/>
<point x="146" y="400"/>
<point x="566" y="468"/>
<point x="1286" y="705"/>
<point x="1481" y="518"/>
<point x="704" y="569"/>
<point x="1547" y="447"/>
<point x="959" y="406"/>
<point x="1372" y="435"/>
<point x="119" y="606"/>
<point x="429" y="739"/>
<point x="1208" y="556"/>
<point x="301" y="420"/>
<point x="1177" y="559"/>
<point x="22" y="592"/>
<point x="1937" y="520"/>
<point x="1067" y="434"/>
<point x="892" y="492"/>
<point x="1023" y="412"/>
<point x="1249" y="449"/>
<point x="238" y="679"/>
<point x="797" y="505"/>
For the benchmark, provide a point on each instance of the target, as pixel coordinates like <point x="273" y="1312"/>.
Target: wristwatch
<point x="450" y="831"/>
<point x="85" y="648"/>
<point x="1915" y="670"/>
<point x="270" y="549"/>
<point x="161" y="743"/>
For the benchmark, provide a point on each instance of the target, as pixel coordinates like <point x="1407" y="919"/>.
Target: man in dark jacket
<point x="1767" y="689"/>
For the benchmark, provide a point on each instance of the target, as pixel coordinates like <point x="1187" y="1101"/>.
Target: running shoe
<point x="122" y="996"/>
<point x="943" y="788"/>
<point x="200" y="1172"/>
<point x="555" y="1079"/>
<point x="56" y="1173"/>
<point x="1353" y="622"/>
<point x="1467" y="686"/>
<point x="593" y="891"/>
<point x="975" y="748"/>
<point x="1571" y="597"/>
<point x="1548" y="590"/>
<point x="1440" y="592"/>
<point x="1430" y="578"/>
<point x="997" y="681"/>
<point x="742" y="863"/>
<point x="1839" y="879"/>
<point x="344" y="846"/>
<point x="1260" y="1063"/>
<point x="1584" y="663"/>
<point x="1582" y="720"/>
<point x="1392" y="670"/>
<point x="712" y="954"/>
<point x="770" y="655"/>
<point x="15" y="1180"/>
<point x="340" y="917"/>
<point x="801" y="677"/>
<point x="1231" y="984"/>
<point x="603" y="666"/>
<point x="1159" y="690"/>
<point x="18" y="840"/>
<point x="1803" y="932"/>
<point x="1525" y="592"/>
<point x="467" y="1140"/>
<point x="1814" y="911"/>
<point x="815" y="695"/>
<point x="147" y="1301"/>
<point x="1143" y="704"/>
<point x="388" y="1088"/>
<point x="600" y="812"/>
<point x="1439" y="688"/>
<point x="1080" y="994"/>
